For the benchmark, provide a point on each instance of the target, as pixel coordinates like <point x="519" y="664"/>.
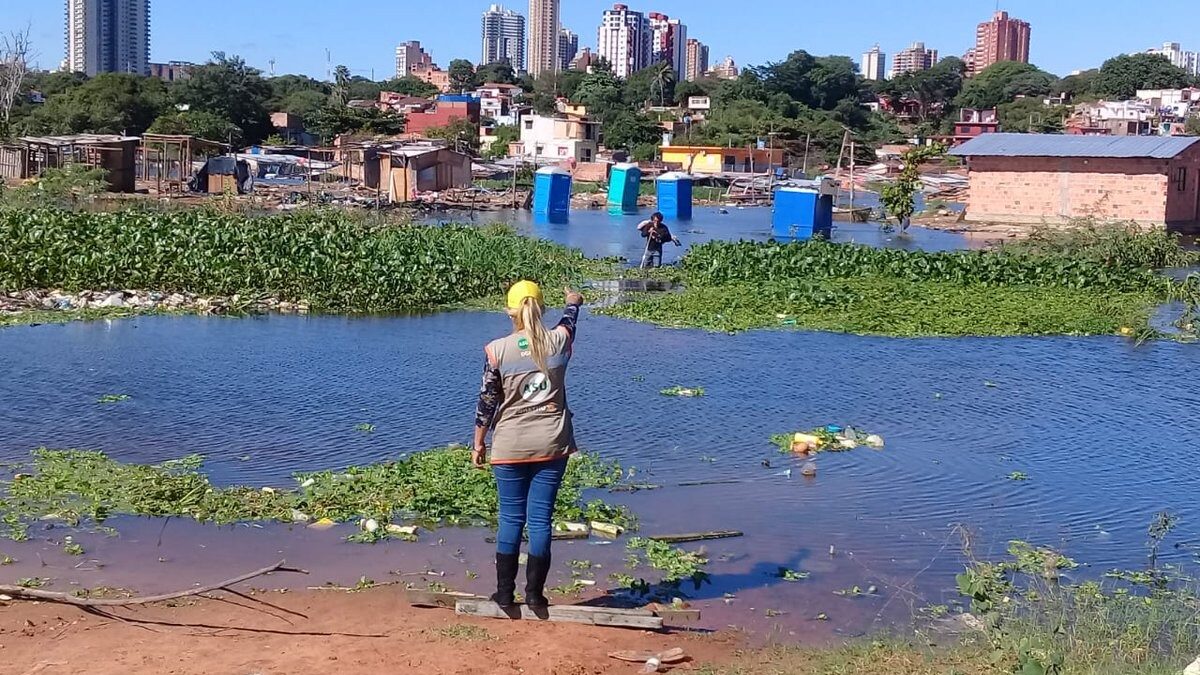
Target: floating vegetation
<point x="830" y="438"/>
<point x="365" y="428"/>
<point x="113" y="398"/>
<point x="1018" y="476"/>
<point x="438" y="486"/>
<point x="788" y="574"/>
<point x="71" y="547"/>
<point x="683" y="392"/>
<point x="675" y="563"/>
<point x="334" y="260"/>
<point x="856" y="591"/>
<point x="1065" y="290"/>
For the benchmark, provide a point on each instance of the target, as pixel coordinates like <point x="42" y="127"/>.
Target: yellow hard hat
<point x="522" y="290"/>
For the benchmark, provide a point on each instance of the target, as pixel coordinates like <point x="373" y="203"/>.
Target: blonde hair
<point x="528" y="320"/>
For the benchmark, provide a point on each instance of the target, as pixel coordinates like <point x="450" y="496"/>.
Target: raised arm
<point x="570" y="318"/>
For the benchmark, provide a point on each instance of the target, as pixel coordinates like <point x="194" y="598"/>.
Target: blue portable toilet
<point x="624" y="184"/>
<point x="674" y="190"/>
<point x="552" y="193"/>
<point x="802" y="212"/>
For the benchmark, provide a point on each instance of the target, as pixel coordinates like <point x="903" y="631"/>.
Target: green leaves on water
<point x="436" y="485"/>
<point x="113" y="398"/>
<point x="335" y="260"/>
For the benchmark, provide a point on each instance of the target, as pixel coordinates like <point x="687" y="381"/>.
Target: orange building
<point x="1001" y="39"/>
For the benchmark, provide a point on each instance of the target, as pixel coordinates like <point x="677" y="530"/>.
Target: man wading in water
<point x="656" y="234"/>
<point x="523" y="401"/>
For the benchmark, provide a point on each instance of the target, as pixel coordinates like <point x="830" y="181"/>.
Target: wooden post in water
<point x="852" y="148"/>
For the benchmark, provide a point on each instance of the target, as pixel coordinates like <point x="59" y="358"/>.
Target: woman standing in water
<point x="523" y="402"/>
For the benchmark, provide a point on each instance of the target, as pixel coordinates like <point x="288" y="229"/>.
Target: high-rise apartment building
<point x="695" y="59"/>
<point x="625" y="40"/>
<point x="668" y="41"/>
<point x="108" y="36"/>
<point x="410" y="57"/>
<point x="1174" y="52"/>
<point x="913" y="59"/>
<point x="1001" y="39"/>
<point x="874" y="64"/>
<point x="544" y="24"/>
<point x="725" y="70"/>
<point x="503" y="37"/>
<point x="568" y="48"/>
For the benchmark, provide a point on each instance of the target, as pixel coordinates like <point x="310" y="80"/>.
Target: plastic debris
<point x="323" y="524"/>
<point x="607" y="528"/>
<point x="809" y="470"/>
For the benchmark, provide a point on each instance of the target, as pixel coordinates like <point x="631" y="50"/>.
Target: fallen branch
<point x="22" y="593"/>
<point x="698" y="536"/>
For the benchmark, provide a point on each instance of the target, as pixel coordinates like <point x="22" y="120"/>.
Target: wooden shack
<point x="411" y="170"/>
<point x="117" y="155"/>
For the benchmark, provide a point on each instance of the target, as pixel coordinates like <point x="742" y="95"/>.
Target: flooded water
<point x="601" y="234"/>
<point x="1104" y="431"/>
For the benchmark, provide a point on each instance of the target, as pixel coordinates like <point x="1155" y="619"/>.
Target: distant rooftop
<point x="1054" y="145"/>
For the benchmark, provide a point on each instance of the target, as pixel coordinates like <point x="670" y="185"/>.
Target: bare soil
<point x="317" y="633"/>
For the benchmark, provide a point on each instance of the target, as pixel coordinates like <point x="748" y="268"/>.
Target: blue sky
<point x="1067" y="34"/>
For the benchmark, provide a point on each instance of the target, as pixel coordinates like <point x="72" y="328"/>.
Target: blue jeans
<point x="527" y="495"/>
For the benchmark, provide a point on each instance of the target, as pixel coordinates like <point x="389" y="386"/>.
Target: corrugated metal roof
<point x="1053" y="145"/>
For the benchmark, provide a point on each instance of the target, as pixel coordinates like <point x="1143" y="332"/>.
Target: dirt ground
<point x="317" y="633"/>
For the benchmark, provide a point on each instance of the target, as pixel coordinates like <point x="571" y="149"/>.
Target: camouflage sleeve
<point x="490" y="394"/>
<point x="570" y="319"/>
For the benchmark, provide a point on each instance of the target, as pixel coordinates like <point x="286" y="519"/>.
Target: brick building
<point x="444" y="111"/>
<point x="1034" y="178"/>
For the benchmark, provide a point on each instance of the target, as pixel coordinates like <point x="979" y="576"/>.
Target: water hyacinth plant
<point x="334" y="260"/>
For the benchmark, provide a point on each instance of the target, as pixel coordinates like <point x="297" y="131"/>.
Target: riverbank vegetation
<point x="433" y="487"/>
<point x="332" y="260"/>
<point x="1085" y="281"/>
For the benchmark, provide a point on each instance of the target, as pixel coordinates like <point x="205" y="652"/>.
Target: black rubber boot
<point x="536" y="571"/>
<point x="506" y="579"/>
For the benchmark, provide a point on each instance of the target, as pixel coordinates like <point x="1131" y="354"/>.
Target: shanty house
<point x="410" y="170"/>
<point x="1034" y="178"/>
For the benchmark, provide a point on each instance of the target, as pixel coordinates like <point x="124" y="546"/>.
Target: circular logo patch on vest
<point x="522" y="344"/>
<point x="536" y="388"/>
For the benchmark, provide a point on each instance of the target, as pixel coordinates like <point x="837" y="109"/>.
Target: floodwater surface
<point x="1103" y="430"/>
<point x="601" y="234"/>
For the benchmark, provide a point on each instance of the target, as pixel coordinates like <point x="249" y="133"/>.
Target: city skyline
<point x="1064" y="41"/>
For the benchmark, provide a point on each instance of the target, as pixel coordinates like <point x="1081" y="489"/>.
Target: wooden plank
<point x="445" y="600"/>
<point x="593" y="616"/>
<point x="697" y="536"/>
<point x="673" y="616"/>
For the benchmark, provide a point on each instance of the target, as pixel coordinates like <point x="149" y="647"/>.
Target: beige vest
<point x="532" y="423"/>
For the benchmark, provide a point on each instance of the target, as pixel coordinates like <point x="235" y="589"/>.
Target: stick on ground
<point x="22" y="593"/>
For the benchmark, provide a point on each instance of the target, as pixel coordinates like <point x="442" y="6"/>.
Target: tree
<point x="228" y="88"/>
<point x="898" y="198"/>
<point x="110" y="103"/>
<point x="305" y="104"/>
<point x="462" y="75"/>
<point x="1077" y="86"/>
<point x="500" y="72"/>
<point x="197" y="123"/>
<point x="505" y="134"/>
<point x="1031" y="115"/>
<point x="15" y="52"/>
<point x="599" y="91"/>
<point x="934" y="90"/>
<point x="341" y="86"/>
<point x="1003" y="82"/>
<point x="410" y="86"/>
<point x="462" y="134"/>
<point x="334" y="120"/>
<point x="653" y="85"/>
<point x="1192" y="128"/>
<point x="815" y="82"/>
<point x="1120" y="77"/>
<point x="627" y="130"/>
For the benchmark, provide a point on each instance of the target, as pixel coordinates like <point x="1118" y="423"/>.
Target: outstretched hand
<point x="572" y="296"/>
